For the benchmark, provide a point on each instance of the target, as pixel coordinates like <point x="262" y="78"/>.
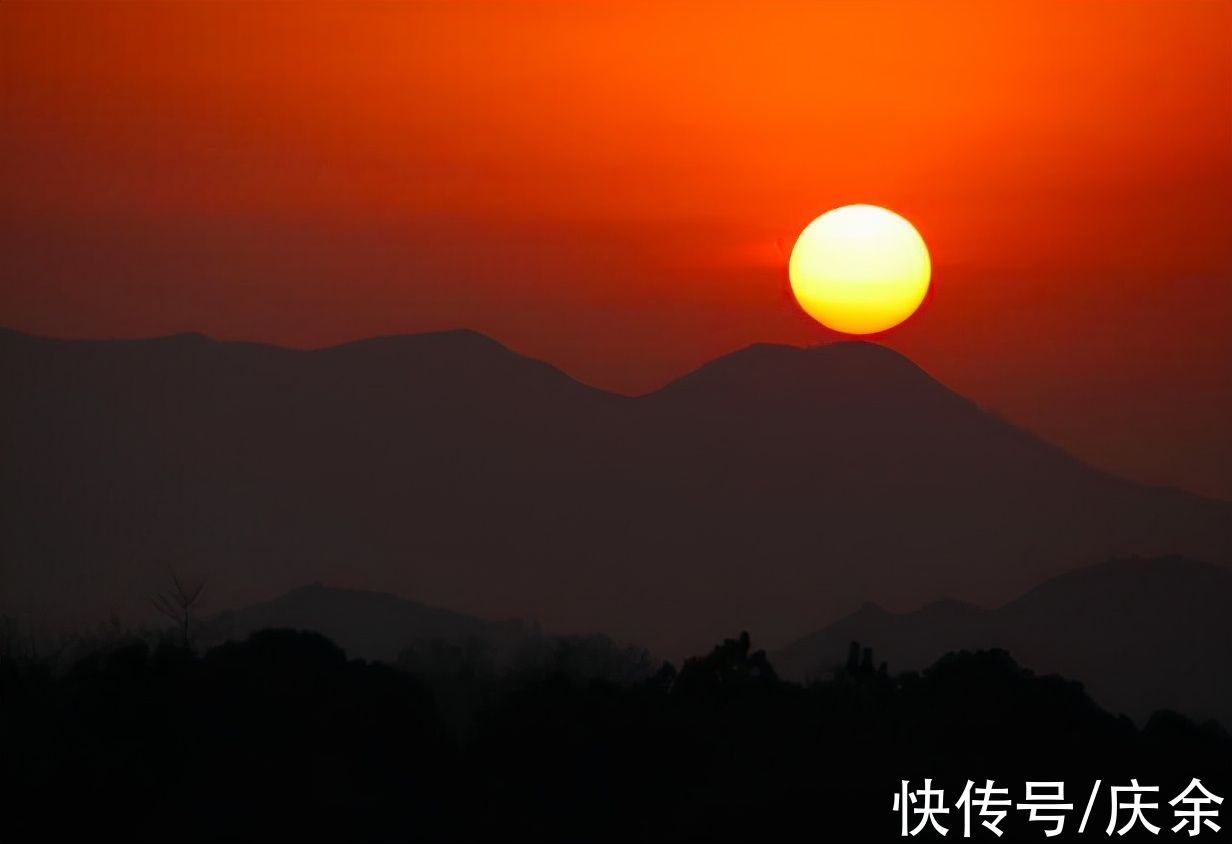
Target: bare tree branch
<point x="178" y="604"/>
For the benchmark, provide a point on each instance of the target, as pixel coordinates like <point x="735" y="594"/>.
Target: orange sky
<point x="614" y="187"/>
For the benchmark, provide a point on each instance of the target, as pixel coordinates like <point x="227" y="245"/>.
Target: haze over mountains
<point x="1141" y="635"/>
<point x="367" y="625"/>
<point x="772" y="490"/>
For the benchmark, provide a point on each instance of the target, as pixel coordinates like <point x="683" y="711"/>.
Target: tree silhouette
<point x="282" y="737"/>
<point x="177" y="604"/>
<point x="731" y="664"/>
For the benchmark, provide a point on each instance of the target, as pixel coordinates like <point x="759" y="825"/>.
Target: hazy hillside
<point x="1140" y="634"/>
<point x="367" y="625"/>
<point x="772" y="489"/>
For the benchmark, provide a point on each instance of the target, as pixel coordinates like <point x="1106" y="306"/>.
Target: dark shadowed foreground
<point x="281" y="738"/>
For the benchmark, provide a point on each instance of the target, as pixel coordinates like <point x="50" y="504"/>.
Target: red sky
<point x="614" y="187"/>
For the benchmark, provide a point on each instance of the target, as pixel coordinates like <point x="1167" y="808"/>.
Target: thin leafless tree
<point x="177" y="604"/>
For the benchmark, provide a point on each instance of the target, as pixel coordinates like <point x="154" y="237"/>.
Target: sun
<point x="859" y="269"/>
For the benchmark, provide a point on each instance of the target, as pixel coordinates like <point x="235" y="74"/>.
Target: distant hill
<point x="771" y="490"/>
<point x="366" y="625"/>
<point x="1141" y="634"/>
<point x="429" y="641"/>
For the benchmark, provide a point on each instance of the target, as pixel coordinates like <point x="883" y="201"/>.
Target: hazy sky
<point x="614" y="187"/>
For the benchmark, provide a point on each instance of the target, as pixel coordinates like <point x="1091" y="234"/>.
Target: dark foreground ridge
<point x="282" y="738"/>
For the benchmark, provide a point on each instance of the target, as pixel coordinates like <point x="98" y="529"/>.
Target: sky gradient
<point x="615" y="187"/>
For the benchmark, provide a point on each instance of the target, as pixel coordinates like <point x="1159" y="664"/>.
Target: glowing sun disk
<point x="859" y="269"/>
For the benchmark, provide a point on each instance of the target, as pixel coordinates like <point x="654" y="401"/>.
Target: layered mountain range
<point x="773" y="489"/>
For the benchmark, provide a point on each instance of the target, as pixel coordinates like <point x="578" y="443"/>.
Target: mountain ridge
<point x="365" y="623"/>
<point x="773" y="489"/>
<point x="465" y="337"/>
<point x="479" y="340"/>
<point x="1142" y="634"/>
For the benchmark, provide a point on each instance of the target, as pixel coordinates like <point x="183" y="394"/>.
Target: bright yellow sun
<point x="859" y="269"/>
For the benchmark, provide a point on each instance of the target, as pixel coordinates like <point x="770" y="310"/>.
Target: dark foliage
<point x="282" y="738"/>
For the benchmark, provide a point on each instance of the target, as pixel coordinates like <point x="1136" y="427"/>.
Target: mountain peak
<point x="770" y="371"/>
<point x="861" y="350"/>
<point x="458" y="361"/>
<point x="452" y="337"/>
<point x="869" y="611"/>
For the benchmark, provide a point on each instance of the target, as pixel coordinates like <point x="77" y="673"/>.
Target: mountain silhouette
<point x="773" y="489"/>
<point x="1141" y="634"/>
<point x="367" y="625"/>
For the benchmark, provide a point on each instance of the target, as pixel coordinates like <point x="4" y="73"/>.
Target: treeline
<point x="282" y="738"/>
